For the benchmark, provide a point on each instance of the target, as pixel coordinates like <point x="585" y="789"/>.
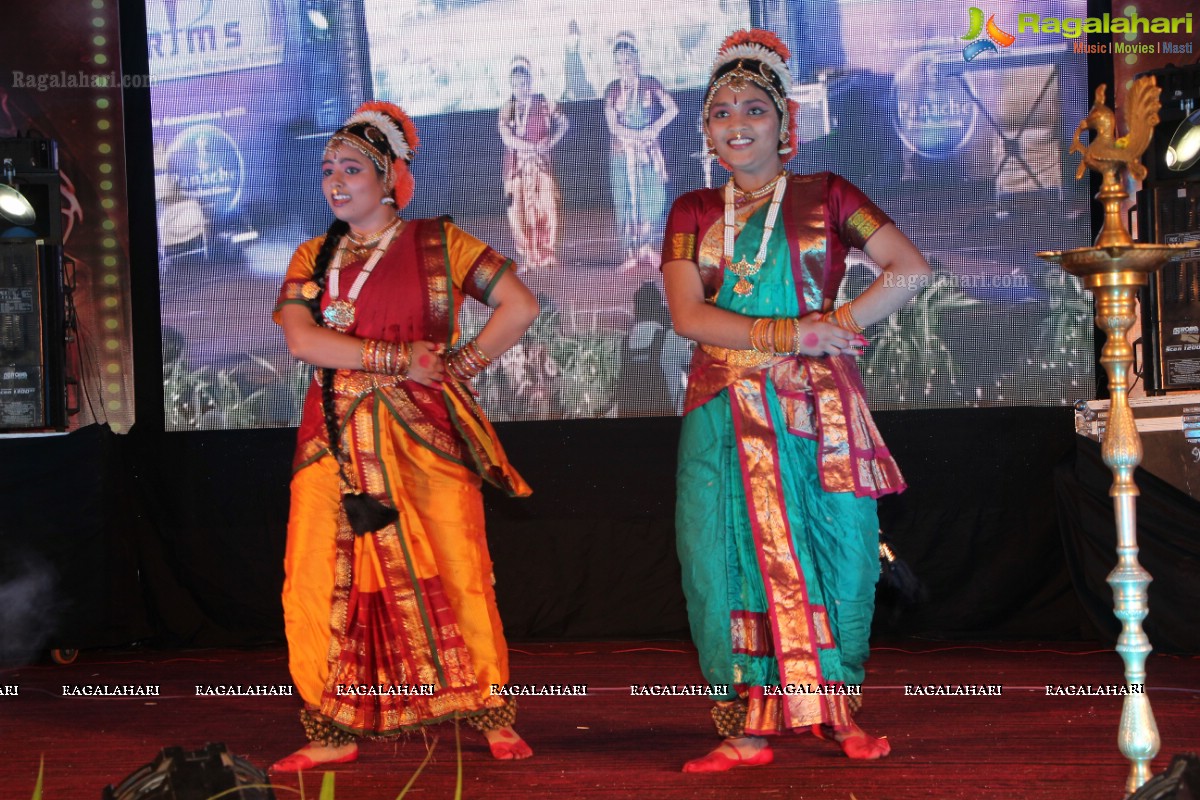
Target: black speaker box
<point x="32" y="338"/>
<point x="1168" y="208"/>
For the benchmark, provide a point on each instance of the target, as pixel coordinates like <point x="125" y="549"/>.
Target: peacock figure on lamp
<point x="1114" y="269"/>
<point x="1109" y="155"/>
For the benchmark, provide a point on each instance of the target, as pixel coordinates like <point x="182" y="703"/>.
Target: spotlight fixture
<point x="321" y="16"/>
<point x="13" y="205"/>
<point x="1184" y="149"/>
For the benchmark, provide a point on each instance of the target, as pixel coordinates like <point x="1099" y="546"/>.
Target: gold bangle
<point x="467" y="361"/>
<point x="403" y="359"/>
<point x="762" y="335"/>
<point x="783" y="336"/>
<point x="386" y="358"/>
<point x="844" y="317"/>
<point x="367" y="355"/>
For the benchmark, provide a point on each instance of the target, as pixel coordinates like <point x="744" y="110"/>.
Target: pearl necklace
<point x="745" y="269"/>
<point x="339" y="314"/>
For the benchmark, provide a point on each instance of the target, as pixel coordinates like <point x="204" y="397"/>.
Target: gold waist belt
<point x="356" y="382"/>
<point x="739" y="358"/>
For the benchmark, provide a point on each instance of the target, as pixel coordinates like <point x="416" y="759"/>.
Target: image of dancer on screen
<point x="780" y="463"/>
<point x="388" y="603"/>
<point x="637" y="108"/>
<point x="530" y="127"/>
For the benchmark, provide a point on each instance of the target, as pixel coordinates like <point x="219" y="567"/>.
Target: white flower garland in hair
<point x="385" y="125"/>
<point x="756" y="52"/>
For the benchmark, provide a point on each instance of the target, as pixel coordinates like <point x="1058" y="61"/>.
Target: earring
<point x="387" y="201"/>
<point x="784" y="147"/>
<point x="708" y="145"/>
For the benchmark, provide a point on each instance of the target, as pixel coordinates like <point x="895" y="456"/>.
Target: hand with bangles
<point x="814" y="334"/>
<point x="428" y="367"/>
<point x="820" y="335"/>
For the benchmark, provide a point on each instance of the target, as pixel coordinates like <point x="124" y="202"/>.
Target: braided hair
<point x="333" y="237"/>
<point x="364" y="513"/>
<point x="384" y="134"/>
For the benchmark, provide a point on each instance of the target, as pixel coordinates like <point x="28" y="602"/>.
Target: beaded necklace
<point x="339" y="314"/>
<point x="746" y="269"/>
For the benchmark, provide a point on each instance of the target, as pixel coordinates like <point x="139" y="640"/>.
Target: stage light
<point x="318" y="19"/>
<point x="198" y="775"/>
<point x="321" y="15"/>
<point x="1184" y="149"/>
<point x="13" y="205"/>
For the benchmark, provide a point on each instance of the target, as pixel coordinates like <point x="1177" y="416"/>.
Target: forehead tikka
<point x="362" y="145"/>
<point x="737" y="79"/>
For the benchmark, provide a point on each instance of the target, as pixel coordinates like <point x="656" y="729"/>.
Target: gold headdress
<point x="387" y="136"/>
<point x="756" y="57"/>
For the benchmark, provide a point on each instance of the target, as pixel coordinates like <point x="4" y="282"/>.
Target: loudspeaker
<point x="195" y="775"/>
<point x="1181" y="781"/>
<point x="1168" y="208"/>
<point x="32" y="337"/>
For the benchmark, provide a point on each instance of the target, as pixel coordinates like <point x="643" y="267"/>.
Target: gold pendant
<point x="339" y="314"/>
<point x="744" y="269"/>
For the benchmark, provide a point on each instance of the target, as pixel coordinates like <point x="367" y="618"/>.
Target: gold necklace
<point x="744" y="197"/>
<point x="358" y="246"/>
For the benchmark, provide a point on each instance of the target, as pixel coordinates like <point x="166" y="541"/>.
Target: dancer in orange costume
<point x="388" y="602"/>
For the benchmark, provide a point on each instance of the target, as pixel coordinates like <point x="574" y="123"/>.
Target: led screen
<point x="959" y="135"/>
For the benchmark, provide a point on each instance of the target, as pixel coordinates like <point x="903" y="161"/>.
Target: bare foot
<point x="745" y="751"/>
<point x="855" y="742"/>
<point x="314" y="755"/>
<point x="507" y="745"/>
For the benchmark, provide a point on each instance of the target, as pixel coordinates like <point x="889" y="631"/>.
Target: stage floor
<point x="1023" y="743"/>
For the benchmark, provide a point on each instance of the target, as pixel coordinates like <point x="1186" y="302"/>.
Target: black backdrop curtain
<point x="177" y="539"/>
<point x="1168" y="523"/>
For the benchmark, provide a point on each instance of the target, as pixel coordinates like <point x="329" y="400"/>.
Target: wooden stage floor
<point x="1023" y="743"/>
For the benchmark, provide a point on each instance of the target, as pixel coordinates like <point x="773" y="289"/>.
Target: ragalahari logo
<point x="994" y="34"/>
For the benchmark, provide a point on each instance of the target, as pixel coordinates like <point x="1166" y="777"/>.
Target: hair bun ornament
<point x="758" y="45"/>
<point x="393" y="123"/>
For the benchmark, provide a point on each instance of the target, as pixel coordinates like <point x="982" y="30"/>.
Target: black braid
<point x="364" y="513"/>
<point x="333" y="238"/>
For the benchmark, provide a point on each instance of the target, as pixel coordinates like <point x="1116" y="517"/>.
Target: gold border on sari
<point x="863" y="224"/>
<point x="482" y="276"/>
<point x="679" y="246"/>
<point x="791" y="615"/>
